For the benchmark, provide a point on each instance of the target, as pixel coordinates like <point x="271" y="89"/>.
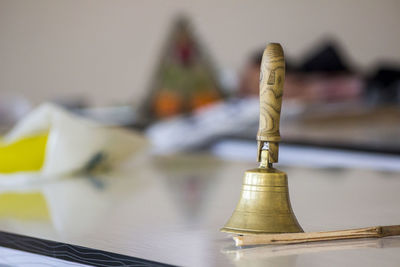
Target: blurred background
<point x="170" y="68"/>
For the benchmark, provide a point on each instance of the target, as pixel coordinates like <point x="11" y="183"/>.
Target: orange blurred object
<point x="167" y="103"/>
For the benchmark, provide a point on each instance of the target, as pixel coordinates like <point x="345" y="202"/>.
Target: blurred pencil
<point x="289" y="238"/>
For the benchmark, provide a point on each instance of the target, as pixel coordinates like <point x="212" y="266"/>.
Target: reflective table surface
<point x="170" y="210"/>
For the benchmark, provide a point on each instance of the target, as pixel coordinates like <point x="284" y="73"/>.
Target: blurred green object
<point x="185" y="79"/>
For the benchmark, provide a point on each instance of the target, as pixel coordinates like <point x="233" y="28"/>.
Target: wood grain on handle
<point x="290" y="238"/>
<point x="272" y="76"/>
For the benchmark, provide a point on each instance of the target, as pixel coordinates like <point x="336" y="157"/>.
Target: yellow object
<point x="23" y="206"/>
<point x="26" y="154"/>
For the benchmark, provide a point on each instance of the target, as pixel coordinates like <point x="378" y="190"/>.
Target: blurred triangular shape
<point x="185" y="78"/>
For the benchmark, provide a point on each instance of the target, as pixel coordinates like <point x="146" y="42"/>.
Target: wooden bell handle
<point x="272" y="76"/>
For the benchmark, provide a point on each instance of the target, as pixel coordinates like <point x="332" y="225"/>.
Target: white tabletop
<point x="170" y="209"/>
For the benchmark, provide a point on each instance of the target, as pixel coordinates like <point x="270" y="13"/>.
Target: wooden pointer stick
<point x="289" y="238"/>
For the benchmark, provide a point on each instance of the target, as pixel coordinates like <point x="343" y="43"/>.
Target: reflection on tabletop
<point x="259" y="255"/>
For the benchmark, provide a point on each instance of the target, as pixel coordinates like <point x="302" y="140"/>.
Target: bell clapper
<point x="264" y="162"/>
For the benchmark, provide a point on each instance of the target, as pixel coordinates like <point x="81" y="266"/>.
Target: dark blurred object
<point x="327" y="59"/>
<point x="323" y="76"/>
<point x="383" y="85"/>
<point x="185" y="79"/>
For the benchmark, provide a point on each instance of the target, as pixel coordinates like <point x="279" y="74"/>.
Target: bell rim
<point x="256" y="232"/>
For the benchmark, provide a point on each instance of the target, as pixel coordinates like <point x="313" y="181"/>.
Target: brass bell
<point x="264" y="205"/>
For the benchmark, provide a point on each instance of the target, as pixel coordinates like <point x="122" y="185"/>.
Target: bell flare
<point x="264" y="206"/>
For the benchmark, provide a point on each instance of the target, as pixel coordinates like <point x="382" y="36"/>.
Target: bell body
<point x="264" y="206"/>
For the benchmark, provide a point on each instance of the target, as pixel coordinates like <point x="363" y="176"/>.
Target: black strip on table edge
<point x="71" y="253"/>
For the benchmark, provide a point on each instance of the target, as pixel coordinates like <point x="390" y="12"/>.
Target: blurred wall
<point x="106" y="50"/>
